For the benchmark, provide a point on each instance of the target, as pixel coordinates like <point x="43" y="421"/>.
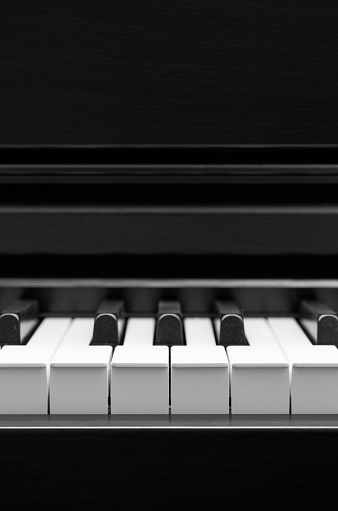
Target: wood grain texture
<point x="172" y="469"/>
<point x="168" y="231"/>
<point x="184" y="72"/>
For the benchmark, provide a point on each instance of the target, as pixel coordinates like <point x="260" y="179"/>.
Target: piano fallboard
<point x="181" y="73"/>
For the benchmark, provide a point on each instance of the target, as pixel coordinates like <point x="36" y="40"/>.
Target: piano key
<point x="169" y="329"/>
<point x="108" y="323"/>
<point x="79" y="376"/>
<point x="140" y="372"/>
<point x="17" y="321"/>
<point x="199" y="372"/>
<point x="320" y="322"/>
<point x="229" y="326"/>
<point x="259" y="372"/>
<point x="314" y="369"/>
<point x="24" y="370"/>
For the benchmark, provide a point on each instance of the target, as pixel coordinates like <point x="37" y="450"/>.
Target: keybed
<point x="268" y="365"/>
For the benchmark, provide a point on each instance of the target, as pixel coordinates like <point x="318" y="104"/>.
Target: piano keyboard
<point x="170" y="364"/>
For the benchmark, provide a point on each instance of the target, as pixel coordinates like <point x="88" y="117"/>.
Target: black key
<point x="232" y="325"/>
<point x="106" y="324"/>
<point x="17" y="321"/>
<point x="169" y="326"/>
<point x="320" y="322"/>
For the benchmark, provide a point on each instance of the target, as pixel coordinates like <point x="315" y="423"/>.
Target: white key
<point x="314" y="376"/>
<point x="199" y="372"/>
<point x="259" y="373"/>
<point x="79" y="380"/>
<point x="140" y="372"/>
<point x="24" y="370"/>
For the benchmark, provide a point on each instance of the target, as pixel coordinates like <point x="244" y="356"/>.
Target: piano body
<point x="181" y="151"/>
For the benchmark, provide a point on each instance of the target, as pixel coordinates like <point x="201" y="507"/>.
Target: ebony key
<point x="106" y="324"/>
<point x="231" y="325"/>
<point x="320" y="322"/>
<point x="17" y="321"/>
<point x="169" y="326"/>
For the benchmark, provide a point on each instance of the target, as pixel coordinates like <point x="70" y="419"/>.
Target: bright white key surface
<point x="314" y="369"/>
<point x="259" y="372"/>
<point x="24" y="370"/>
<point x="140" y="372"/>
<point x="79" y="381"/>
<point x="199" y="372"/>
<point x="139" y="333"/>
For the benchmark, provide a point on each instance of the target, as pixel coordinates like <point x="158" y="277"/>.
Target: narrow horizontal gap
<point x="168" y="266"/>
<point x="181" y="196"/>
<point x="168" y="155"/>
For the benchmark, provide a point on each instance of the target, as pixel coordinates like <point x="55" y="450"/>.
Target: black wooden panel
<point x="179" y="72"/>
<point x="180" y="469"/>
<point x="168" y="231"/>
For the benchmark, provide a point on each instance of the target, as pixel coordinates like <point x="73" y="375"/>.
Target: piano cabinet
<point x="183" y="151"/>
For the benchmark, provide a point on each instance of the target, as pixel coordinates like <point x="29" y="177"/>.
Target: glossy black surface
<point x="176" y="468"/>
<point x="169" y="325"/>
<point x="125" y="72"/>
<point x="106" y="330"/>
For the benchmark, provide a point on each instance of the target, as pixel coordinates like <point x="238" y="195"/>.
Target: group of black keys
<point x="169" y="325"/>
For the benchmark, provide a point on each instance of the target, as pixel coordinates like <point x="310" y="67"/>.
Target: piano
<point x="170" y="160"/>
